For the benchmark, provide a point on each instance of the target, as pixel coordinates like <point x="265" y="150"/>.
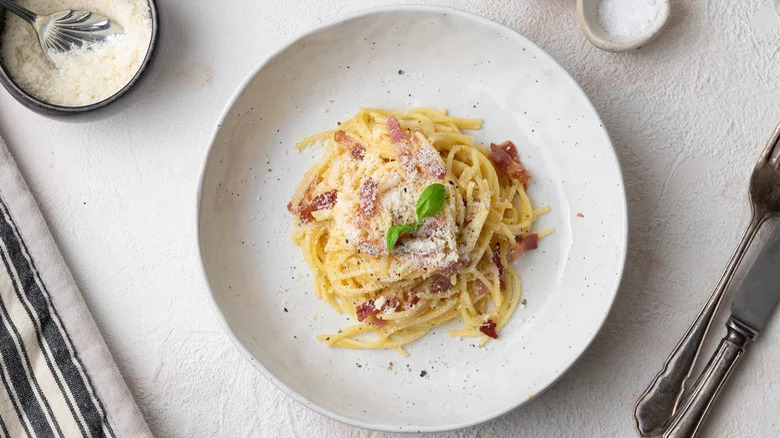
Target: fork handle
<point x="731" y="349"/>
<point x="659" y="402"/>
<point x="28" y="15"/>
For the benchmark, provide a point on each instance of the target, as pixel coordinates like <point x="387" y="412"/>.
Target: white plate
<point x="402" y="57"/>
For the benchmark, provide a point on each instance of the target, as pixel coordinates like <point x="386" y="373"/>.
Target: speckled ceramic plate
<point x="402" y="57"/>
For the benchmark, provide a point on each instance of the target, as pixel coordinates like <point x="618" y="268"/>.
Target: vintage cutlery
<point x="751" y="307"/>
<point x="659" y="402"/>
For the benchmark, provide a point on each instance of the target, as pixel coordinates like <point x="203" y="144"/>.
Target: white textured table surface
<point x="688" y="115"/>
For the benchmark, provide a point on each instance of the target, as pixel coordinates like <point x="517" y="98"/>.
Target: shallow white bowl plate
<point x="401" y="58"/>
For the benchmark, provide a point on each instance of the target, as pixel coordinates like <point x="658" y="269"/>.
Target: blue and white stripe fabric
<point x="57" y="377"/>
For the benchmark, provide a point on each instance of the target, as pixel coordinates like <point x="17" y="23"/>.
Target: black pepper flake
<point x="285" y="309"/>
<point x="423" y="373"/>
<point x="400" y="72"/>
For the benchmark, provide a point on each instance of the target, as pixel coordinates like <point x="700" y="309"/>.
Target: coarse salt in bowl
<point x="618" y="25"/>
<point x="83" y="79"/>
<point x="625" y="20"/>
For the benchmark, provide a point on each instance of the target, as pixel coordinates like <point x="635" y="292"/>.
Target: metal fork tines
<point x="660" y="401"/>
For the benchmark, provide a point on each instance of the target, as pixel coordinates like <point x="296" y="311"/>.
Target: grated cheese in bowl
<point x="81" y="76"/>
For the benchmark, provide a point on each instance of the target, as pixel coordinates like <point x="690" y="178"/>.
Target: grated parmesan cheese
<point x="85" y="75"/>
<point x="431" y="248"/>
<point x="380" y="302"/>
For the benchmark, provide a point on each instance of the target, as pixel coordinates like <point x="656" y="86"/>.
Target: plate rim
<point x="323" y="410"/>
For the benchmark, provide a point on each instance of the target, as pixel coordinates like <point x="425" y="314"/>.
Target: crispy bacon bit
<point x="323" y="201"/>
<point x="496" y="259"/>
<point x="405" y="158"/>
<point x="523" y="244"/>
<point x="430" y="162"/>
<point x="440" y="284"/>
<point x="507" y="147"/>
<point x="379" y="322"/>
<point x="479" y="288"/>
<point x="358" y="152"/>
<point x="421" y="154"/>
<point x="392" y="305"/>
<point x="396" y="133"/>
<point x="411" y="301"/>
<point x="301" y="198"/>
<point x="368" y="192"/>
<point x="342" y="138"/>
<point x="402" y="150"/>
<point x="427" y="158"/>
<point x="455" y="267"/>
<point x="305" y="216"/>
<point x="300" y="203"/>
<point x="531" y="241"/>
<point x="489" y="329"/>
<point x="366" y="309"/>
<point x="504" y="161"/>
<point x="404" y="154"/>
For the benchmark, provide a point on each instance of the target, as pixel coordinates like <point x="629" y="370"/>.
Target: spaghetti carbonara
<point x="398" y="272"/>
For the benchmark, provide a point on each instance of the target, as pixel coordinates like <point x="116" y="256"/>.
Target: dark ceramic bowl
<point x="102" y="108"/>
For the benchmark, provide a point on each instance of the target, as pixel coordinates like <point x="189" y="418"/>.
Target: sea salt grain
<point x="628" y="19"/>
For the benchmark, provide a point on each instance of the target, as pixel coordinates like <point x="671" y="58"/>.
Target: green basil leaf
<point x="395" y="232"/>
<point x="431" y="201"/>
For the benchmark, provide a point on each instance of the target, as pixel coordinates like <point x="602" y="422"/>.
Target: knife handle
<point x="658" y="404"/>
<point x="731" y="349"/>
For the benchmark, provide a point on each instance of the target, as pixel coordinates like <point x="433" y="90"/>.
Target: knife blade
<point x="757" y="296"/>
<point x="751" y="307"/>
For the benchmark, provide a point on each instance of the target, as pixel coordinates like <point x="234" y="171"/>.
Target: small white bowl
<point x="588" y="17"/>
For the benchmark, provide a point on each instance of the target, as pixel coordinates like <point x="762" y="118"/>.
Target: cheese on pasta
<point x="455" y="266"/>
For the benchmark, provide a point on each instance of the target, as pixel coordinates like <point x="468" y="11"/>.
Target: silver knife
<point x="751" y="307"/>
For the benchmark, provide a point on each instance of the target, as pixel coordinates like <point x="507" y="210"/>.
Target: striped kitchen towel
<point x="57" y="377"/>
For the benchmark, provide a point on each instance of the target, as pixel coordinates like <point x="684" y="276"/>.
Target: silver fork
<point x="659" y="402"/>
